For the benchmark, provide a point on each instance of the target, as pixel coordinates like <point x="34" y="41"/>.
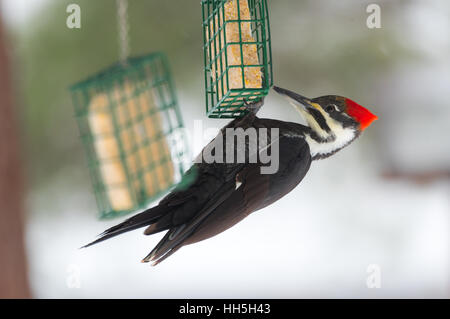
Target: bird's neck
<point x="322" y="147"/>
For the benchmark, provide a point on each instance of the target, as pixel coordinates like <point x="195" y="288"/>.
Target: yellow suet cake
<point x="252" y="75"/>
<point x="135" y="161"/>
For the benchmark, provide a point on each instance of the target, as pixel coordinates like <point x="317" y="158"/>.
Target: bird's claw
<point x="255" y="106"/>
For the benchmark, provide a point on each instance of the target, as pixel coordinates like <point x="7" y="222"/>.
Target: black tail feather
<point x="143" y="219"/>
<point x="150" y="256"/>
<point x="156" y="256"/>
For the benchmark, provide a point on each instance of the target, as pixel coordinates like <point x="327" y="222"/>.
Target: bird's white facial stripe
<point x="309" y="118"/>
<point x="334" y="125"/>
<point x="343" y="136"/>
<point x="337" y="136"/>
<point x="315" y="126"/>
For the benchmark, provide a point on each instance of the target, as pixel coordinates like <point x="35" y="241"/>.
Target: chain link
<point x="122" y="16"/>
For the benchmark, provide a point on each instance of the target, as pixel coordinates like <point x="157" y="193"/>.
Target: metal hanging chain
<point x="124" y="42"/>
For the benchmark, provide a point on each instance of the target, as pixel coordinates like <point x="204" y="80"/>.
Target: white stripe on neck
<point x="343" y="138"/>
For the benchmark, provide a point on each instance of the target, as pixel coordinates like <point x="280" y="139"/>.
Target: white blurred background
<point x="383" y="201"/>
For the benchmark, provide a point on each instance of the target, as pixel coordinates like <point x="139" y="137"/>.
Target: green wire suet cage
<point x="237" y="55"/>
<point x="133" y="133"/>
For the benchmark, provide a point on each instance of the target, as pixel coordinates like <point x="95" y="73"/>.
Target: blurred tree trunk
<point x="13" y="266"/>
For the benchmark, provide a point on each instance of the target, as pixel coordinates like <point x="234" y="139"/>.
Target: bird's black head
<point x="335" y="121"/>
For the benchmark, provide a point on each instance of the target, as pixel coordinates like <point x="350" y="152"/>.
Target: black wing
<point x="221" y="195"/>
<point x="236" y="199"/>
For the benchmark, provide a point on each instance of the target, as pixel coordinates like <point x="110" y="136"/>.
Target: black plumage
<point x="221" y="194"/>
<point x="212" y="202"/>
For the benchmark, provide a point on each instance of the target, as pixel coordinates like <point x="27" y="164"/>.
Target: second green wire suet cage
<point x="237" y="55"/>
<point x="133" y="133"/>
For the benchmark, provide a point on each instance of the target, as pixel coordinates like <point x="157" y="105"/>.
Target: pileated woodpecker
<point x="222" y="194"/>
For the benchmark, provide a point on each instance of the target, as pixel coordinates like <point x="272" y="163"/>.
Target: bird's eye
<point x="331" y="108"/>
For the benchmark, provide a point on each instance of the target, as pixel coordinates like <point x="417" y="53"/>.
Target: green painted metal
<point x="221" y="103"/>
<point x="150" y="78"/>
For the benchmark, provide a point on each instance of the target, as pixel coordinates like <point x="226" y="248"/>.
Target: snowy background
<point x="383" y="201"/>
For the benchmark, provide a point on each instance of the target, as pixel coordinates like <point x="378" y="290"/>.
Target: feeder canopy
<point x="237" y="54"/>
<point x="133" y="133"/>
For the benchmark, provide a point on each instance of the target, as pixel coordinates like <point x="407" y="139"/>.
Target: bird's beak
<point x="299" y="101"/>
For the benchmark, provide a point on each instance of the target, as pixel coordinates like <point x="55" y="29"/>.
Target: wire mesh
<point x="133" y="133"/>
<point x="237" y="55"/>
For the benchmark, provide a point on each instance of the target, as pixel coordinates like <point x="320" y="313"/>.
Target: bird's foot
<point x="255" y="106"/>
